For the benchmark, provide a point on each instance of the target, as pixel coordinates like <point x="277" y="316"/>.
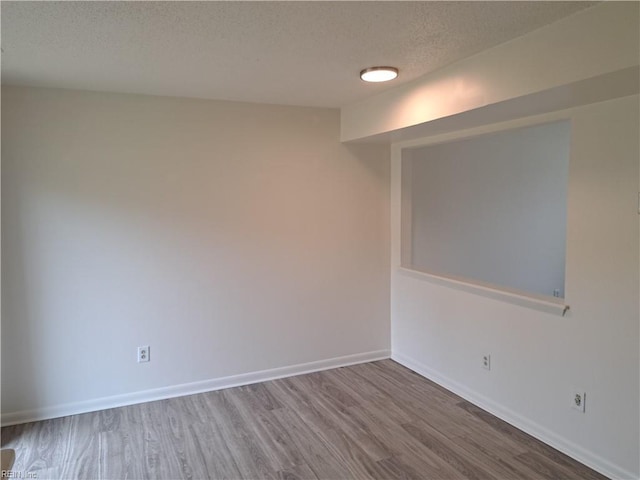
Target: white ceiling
<point x="292" y="53"/>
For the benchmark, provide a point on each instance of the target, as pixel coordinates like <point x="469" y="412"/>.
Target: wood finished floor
<point x="377" y="420"/>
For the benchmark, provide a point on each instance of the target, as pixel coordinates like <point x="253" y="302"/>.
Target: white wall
<point x="493" y="208"/>
<point x="538" y="358"/>
<point x="230" y="237"/>
<point x="588" y="62"/>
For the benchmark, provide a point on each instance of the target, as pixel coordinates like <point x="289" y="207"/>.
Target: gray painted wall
<point x="230" y="237"/>
<point x="494" y="208"/>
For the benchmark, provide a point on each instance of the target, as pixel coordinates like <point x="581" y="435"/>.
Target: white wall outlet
<point x="486" y="362"/>
<point x="578" y="399"/>
<point x="143" y="354"/>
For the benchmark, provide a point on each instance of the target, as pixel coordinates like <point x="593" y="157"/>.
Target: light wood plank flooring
<point x="377" y="420"/>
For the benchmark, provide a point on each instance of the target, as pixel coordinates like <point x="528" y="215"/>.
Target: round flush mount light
<point x="378" y="74"/>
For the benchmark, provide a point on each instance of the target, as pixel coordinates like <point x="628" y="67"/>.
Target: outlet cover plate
<point x="144" y="354"/>
<point x="486" y="362"/>
<point x="578" y="399"/>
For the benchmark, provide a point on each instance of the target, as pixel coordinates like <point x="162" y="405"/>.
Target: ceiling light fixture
<point x="378" y="74"/>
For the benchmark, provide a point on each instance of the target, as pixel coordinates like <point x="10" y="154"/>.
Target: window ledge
<point x="544" y="304"/>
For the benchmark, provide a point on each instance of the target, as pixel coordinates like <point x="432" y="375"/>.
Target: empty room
<point x="320" y="240"/>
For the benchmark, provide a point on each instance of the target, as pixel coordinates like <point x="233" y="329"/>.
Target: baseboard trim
<point x="567" y="447"/>
<point x="25" y="416"/>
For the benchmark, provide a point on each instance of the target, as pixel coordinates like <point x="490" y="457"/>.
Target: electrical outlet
<point x="578" y="399"/>
<point x="143" y="354"/>
<point x="486" y="362"/>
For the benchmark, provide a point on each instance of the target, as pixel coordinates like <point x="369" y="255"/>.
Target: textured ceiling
<point x="293" y="53"/>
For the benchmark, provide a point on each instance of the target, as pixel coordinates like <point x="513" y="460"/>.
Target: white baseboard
<point x="44" y="413"/>
<point x="567" y="447"/>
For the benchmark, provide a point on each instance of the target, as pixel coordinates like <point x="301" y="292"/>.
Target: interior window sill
<point x="541" y="303"/>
